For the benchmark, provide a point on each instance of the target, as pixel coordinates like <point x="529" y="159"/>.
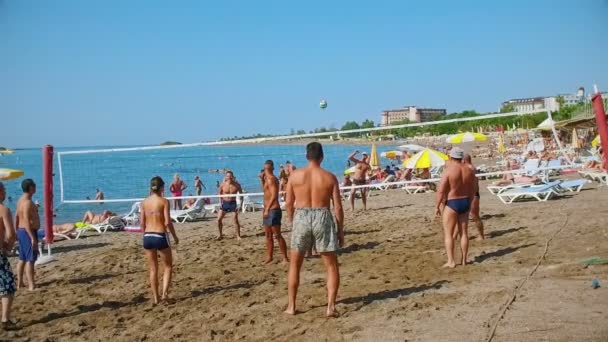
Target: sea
<point x="126" y="174"/>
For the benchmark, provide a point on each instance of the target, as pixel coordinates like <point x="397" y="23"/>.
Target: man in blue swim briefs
<point x="272" y="213"/>
<point x="28" y="223"/>
<point x="229" y="188"/>
<point x="454" y="197"/>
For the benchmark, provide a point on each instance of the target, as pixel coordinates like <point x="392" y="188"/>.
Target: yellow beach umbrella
<point x="374" y="161"/>
<point x="391" y="154"/>
<point x="425" y="159"/>
<point x="466" y="137"/>
<point x="350" y="170"/>
<point x="8" y="174"/>
<point x="575" y="143"/>
<point x="501" y="144"/>
<point x="595" y="141"/>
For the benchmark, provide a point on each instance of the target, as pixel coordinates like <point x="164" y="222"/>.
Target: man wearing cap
<point x="454" y="197"/>
<point x="359" y="178"/>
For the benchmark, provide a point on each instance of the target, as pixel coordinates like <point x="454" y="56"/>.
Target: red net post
<point x="47" y="179"/>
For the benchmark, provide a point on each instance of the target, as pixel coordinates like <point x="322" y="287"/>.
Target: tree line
<point x="525" y="121"/>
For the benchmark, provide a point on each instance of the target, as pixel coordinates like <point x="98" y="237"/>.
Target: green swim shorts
<point x="314" y="226"/>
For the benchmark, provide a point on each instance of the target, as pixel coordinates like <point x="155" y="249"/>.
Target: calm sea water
<point x="126" y="174"/>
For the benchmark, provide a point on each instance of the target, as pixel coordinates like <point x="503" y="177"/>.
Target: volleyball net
<point x="123" y="174"/>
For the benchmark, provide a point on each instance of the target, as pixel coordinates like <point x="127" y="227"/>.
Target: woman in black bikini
<point x="155" y="222"/>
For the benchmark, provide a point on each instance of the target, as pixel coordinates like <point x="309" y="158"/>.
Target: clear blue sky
<point x="140" y="72"/>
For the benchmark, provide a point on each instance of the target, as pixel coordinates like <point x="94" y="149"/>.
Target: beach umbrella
<point x="8" y="174"/>
<point x="546" y="125"/>
<point x="596" y="141"/>
<point x="425" y="159"/>
<point x="575" y="143"/>
<point x="391" y="154"/>
<point x="411" y="148"/>
<point x="350" y="170"/>
<point x="374" y="161"/>
<point x="501" y="144"/>
<point x="466" y="137"/>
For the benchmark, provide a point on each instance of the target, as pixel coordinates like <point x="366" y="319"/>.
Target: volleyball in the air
<point x="323" y="104"/>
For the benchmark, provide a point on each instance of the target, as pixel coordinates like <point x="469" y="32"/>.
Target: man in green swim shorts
<point x="311" y="190"/>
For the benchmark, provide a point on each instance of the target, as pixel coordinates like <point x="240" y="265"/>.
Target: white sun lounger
<point x="385" y="184"/>
<point x="414" y="189"/>
<point x="111" y="223"/>
<point x="574" y="185"/>
<point x="497" y="189"/>
<point x="597" y="176"/>
<point x="540" y="193"/>
<point x="196" y="212"/>
<point x="132" y="217"/>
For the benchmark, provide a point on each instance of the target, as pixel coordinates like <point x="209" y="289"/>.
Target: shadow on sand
<point x="499" y="253"/>
<point x="390" y="294"/>
<point x="215" y="289"/>
<point x="502" y="232"/>
<point x="357" y="247"/>
<point x="90" y="279"/>
<point x="81" y="309"/>
<point x="79" y="247"/>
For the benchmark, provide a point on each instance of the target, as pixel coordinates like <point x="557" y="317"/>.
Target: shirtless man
<point x="99" y="195"/>
<point x="361" y="169"/>
<point x="311" y="190"/>
<point x="476" y="200"/>
<point x="272" y="213"/>
<point x="7" y="280"/>
<point x="454" y="197"/>
<point x="228" y="204"/>
<point x="28" y="223"/>
<point x="289" y="168"/>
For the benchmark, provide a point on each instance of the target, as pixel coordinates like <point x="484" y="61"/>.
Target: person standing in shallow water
<point x="156" y="223"/>
<point x="310" y="193"/>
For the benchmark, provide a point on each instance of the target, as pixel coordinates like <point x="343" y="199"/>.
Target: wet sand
<point x="393" y="288"/>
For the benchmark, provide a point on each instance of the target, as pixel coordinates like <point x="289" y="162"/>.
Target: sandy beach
<point x="393" y="288"/>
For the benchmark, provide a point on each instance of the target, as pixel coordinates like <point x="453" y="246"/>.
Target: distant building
<point x="410" y="113"/>
<point x="550" y="103"/>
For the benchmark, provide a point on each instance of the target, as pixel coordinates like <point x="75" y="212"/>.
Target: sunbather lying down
<point x="68" y="229"/>
<point x="91" y="218"/>
<point x="508" y="179"/>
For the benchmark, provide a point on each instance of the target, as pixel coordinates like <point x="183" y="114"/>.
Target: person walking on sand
<point x="7" y="279"/>
<point x="361" y="169"/>
<point x="272" y="213"/>
<point x="311" y="190"/>
<point x="28" y="223"/>
<point x="155" y="222"/>
<point x="228" y="204"/>
<point x="177" y="187"/>
<point x="455" y="194"/>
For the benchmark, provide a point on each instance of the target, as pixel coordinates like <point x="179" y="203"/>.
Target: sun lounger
<point x="540" y="193"/>
<point x="132" y="217"/>
<point x="414" y="189"/>
<point x="249" y="204"/>
<point x="196" y="212"/>
<point x="497" y="189"/>
<point x="597" y="176"/>
<point x="385" y="184"/>
<point x="574" y="185"/>
<point x="111" y="223"/>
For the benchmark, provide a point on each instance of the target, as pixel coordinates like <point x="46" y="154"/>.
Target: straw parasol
<point x="8" y="174"/>
<point x="425" y="159"/>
